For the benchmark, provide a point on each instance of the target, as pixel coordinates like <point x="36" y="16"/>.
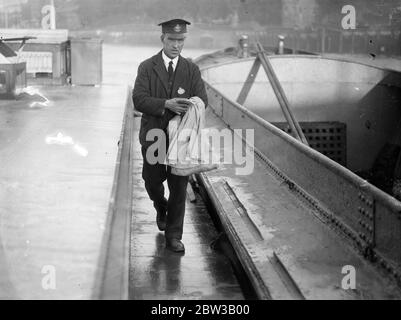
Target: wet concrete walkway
<point x="156" y="273"/>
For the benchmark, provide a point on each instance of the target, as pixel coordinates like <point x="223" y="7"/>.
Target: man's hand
<point x="178" y="105"/>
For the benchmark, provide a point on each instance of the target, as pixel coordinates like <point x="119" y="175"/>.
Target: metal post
<point x="308" y="43"/>
<point x="281" y="44"/>
<point x="352" y="42"/>
<point x="249" y="82"/>
<point x="5" y="14"/>
<point x="329" y="41"/>
<point x="281" y="97"/>
<point x="243" y="47"/>
<point x="323" y="43"/>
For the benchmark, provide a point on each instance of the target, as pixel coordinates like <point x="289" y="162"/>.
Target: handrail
<point x="113" y="266"/>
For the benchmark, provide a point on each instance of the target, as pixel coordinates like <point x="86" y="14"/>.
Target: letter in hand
<point x="178" y="105"/>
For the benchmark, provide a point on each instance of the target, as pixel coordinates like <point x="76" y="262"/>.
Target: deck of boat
<point x="288" y="250"/>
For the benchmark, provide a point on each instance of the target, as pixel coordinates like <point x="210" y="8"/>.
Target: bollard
<point x="281" y="44"/>
<point x="243" y="51"/>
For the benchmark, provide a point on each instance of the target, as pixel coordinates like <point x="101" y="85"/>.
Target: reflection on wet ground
<point x="156" y="273"/>
<point x="56" y="173"/>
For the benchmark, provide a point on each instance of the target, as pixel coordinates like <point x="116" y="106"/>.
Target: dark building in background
<point x="103" y="14"/>
<point x="311" y="25"/>
<point x="299" y="14"/>
<point x="88" y="14"/>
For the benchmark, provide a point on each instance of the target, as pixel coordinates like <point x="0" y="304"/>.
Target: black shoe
<point x="175" y="245"/>
<point x="161" y="217"/>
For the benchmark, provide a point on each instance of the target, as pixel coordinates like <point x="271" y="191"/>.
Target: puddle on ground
<point x="65" y="140"/>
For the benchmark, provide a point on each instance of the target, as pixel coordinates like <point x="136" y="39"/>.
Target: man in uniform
<point x="163" y="86"/>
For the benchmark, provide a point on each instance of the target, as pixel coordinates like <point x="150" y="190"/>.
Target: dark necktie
<point x="170" y="71"/>
<point x="170" y="77"/>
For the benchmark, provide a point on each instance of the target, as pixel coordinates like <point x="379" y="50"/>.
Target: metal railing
<point x="113" y="266"/>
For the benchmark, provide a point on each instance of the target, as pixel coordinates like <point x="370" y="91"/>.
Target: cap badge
<point x="177" y="28"/>
<point x="181" y="91"/>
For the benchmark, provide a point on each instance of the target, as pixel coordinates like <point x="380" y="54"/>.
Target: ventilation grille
<point x="329" y="138"/>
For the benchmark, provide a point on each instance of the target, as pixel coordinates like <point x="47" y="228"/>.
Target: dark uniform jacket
<point x="151" y="91"/>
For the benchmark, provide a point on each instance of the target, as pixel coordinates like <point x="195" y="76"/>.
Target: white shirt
<point x="167" y="61"/>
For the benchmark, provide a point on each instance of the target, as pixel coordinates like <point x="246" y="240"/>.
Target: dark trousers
<point x="154" y="176"/>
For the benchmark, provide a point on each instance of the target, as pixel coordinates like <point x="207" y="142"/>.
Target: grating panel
<point x="329" y="138"/>
<point x="38" y="62"/>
